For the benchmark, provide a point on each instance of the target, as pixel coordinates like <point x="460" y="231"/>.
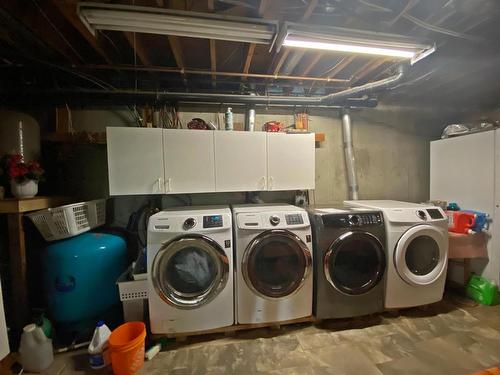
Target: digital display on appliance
<point x="434" y="213"/>
<point x="294" y="219"/>
<point x="213" y="221"/>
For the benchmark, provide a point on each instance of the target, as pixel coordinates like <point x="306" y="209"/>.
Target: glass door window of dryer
<point x="276" y="264"/>
<point x="422" y="255"/>
<point x="355" y="263"/>
<point x="190" y="271"/>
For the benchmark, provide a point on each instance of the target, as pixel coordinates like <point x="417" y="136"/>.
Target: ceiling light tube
<point x="353" y="41"/>
<point x="116" y="17"/>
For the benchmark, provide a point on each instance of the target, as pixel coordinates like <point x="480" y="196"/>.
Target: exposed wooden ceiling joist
<point x="68" y="10"/>
<point x="138" y="48"/>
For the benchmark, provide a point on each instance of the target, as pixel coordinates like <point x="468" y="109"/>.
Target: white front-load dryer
<point x="190" y="269"/>
<point x="273" y="248"/>
<point x="417" y="248"/>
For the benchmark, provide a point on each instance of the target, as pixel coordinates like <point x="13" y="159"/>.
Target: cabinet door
<point x="135" y="161"/>
<point x="290" y="161"/>
<point x="189" y="161"/>
<point x="240" y="161"/>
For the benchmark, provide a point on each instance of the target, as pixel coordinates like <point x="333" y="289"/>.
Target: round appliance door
<point x="355" y="263"/>
<point x="190" y="271"/>
<point x="276" y="264"/>
<point x="421" y="254"/>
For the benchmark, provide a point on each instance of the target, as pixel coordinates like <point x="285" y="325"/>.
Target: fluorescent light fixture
<point x="353" y="41"/>
<point x="116" y="17"/>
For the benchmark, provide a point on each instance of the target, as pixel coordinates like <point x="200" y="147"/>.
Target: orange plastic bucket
<point x="126" y="346"/>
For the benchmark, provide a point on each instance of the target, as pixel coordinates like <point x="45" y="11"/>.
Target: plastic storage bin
<point x="69" y="220"/>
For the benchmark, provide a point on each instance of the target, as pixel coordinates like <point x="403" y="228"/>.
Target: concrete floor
<point x="446" y="338"/>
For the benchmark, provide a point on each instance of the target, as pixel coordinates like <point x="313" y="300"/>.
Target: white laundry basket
<point x="69" y="220"/>
<point x="134" y="296"/>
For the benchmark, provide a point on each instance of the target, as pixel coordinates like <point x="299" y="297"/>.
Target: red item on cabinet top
<point x="461" y="222"/>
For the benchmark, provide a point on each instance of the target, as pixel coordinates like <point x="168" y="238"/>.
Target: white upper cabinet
<point x="240" y="161"/>
<point x="290" y="161"/>
<point x="175" y="161"/>
<point x="189" y="161"/>
<point x="135" y="161"/>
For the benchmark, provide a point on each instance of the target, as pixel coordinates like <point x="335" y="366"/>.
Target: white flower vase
<point x="25" y="189"/>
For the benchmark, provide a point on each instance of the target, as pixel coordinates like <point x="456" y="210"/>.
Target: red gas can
<point x="461" y="222"/>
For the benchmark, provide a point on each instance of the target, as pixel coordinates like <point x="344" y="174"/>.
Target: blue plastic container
<point x="80" y="275"/>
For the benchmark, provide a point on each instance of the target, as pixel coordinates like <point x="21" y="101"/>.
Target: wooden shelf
<point x="14" y="205"/>
<point x="83" y="138"/>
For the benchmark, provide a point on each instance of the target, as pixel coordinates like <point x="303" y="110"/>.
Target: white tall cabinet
<point x="466" y="170"/>
<point x="4" y="342"/>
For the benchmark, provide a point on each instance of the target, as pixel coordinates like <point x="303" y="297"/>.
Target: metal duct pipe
<point x="350" y="163"/>
<point x="327" y="100"/>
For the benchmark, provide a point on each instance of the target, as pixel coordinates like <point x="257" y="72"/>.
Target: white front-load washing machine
<point x="273" y="263"/>
<point x="190" y="269"/>
<point x="417" y="248"/>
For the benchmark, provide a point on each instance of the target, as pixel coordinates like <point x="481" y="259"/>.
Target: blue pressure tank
<point x="80" y="275"/>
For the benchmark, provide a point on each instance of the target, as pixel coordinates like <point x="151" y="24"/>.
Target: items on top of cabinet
<point x="228" y="118"/>
<point x="461" y="222"/>
<point x="197" y="124"/>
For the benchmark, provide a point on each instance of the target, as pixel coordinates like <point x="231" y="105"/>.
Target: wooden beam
<point x="337" y="68"/>
<point x="262" y="7"/>
<point x="307" y="14"/>
<point x="313" y="62"/>
<point x="309" y="10"/>
<point x="68" y="10"/>
<point x="34" y="20"/>
<point x="366" y="69"/>
<point x="284" y="54"/>
<point x="213" y="59"/>
<point x="211" y="5"/>
<point x="251" y="48"/>
<point x="139" y="49"/>
<point x="175" y="46"/>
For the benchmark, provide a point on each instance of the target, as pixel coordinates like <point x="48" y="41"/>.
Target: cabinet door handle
<point x="159" y="184"/>
<point x="271" y="182"/>
<point x="169" y="184"/>
<point x="262" y="182"/>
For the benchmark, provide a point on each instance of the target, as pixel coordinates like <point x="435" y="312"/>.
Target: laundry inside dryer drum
<point x="276" y="266"/>
<point x="422" y="255"/>
<point x="355" y="264"/>
<point x="191" y="271"/>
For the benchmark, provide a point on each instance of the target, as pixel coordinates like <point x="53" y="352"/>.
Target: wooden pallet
<point x="230" y="330"/>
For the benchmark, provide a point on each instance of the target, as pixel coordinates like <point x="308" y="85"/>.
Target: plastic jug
<point x="482" y="290"/>
<point x="482" y="221"/>
<point x="98" y="348"/>
<point x="461" y="222"/>
<point x="35" y="349"/>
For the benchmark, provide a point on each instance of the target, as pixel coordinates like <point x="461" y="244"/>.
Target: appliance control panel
<point x="212" y="221"/>
<point x="294" y="219"/>
<point x="272" y="220"/>
<point x="353" y="220"/>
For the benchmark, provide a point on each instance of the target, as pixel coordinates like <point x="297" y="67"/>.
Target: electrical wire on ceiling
<point x="420" y="22"/>
<point x="57" y="30"/>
